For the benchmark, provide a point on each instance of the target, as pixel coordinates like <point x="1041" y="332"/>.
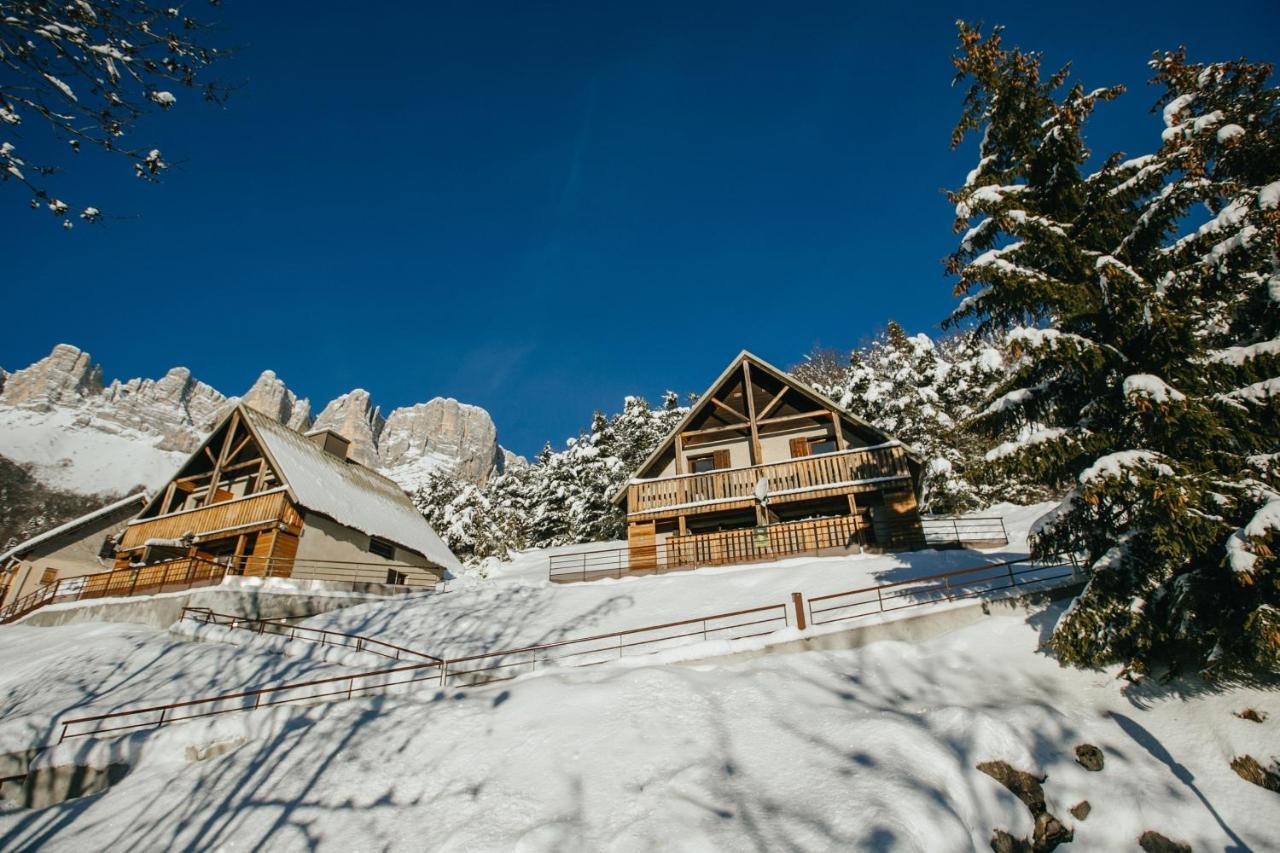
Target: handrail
<point x="835" y="534"/>
<point x="442" y="665"/>
<point x="922" y="578"/>
<point x="300" y="632"/>
<point x="103" y="585"/>
<point x="448" y="667"/>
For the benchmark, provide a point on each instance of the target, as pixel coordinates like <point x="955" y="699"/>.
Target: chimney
<point x="330" y="442"/>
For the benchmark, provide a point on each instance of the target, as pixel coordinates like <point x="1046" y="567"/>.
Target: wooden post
<point x="679" y="453"/>
<point x="751" y="412"/>
<point x="797" y="599"/>
<point x="841" y="444"/>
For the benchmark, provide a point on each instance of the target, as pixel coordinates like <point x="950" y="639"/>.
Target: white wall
<point x="323" y="539"/>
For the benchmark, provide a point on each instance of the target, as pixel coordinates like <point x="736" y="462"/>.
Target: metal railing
<point x="169" y="576"/>
<point x="497" y="666"/>
<point x="947" y="586"/>
<point x="836" y="535"/>
<point x="482" y="668"/>
<point x="280" y="627"/>
<point x="184" y="573"/>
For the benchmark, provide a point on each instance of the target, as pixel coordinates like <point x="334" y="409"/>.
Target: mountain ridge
<point x="81" y="434"/>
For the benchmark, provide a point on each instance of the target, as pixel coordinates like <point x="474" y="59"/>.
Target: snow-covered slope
<point x="91" y="438"/>
<point x="70" y="450"/>
<point x="518" y="606"/>
<point x="873" y="749"/>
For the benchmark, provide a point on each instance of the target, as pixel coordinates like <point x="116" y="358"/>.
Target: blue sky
<point x="540" y="208"/>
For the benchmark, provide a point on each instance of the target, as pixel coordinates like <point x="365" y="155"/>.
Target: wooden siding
<point x="237" y="515"/>
<point x="813" y="476"/>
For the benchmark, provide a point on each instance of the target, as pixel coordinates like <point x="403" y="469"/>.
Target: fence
<point x="497" y="666"/>
<point x="948" y="586"/>
<point x="169" y="576"/>
<point x="191" y="572"/>
<point x="836" y="535"/>
<point x="483" y="668"/>
<point x="319" y="636"/>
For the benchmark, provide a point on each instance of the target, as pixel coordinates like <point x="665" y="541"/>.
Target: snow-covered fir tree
<point x="923" y="391"/>
<point x="1145" y="347"/>
<point x="562" y="498"/>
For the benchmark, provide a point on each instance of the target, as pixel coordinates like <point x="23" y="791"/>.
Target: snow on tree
<point x="562" y="498"/>
<point x="83" y="73"/>
<point x="921" y="391"/>
<point x="1144" y="373"/>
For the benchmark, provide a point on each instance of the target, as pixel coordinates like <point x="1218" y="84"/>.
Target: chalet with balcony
<point x="260" y="499"/>
<point x="764" y="466"/>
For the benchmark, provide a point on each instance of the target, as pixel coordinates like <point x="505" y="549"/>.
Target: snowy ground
<point x="96" y="668"/>
<point x="517" y="606"/>
<point x="69" y="454"/>
<point x="866" y="749"/>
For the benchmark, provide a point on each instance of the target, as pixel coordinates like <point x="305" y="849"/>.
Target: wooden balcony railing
<point x="844" y="468"/>
<point x="242" y="512"/>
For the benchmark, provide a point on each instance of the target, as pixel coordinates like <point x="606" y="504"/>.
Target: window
<point x="396" y="578"/>
<point x="821" y="445"/>
<point x="702" y="464"/>
<point x="382" y="548"/>
<point x="709" y="462"/>
<point x="803" y="446"/>
<point x="108" y="549"/>
<point x="49" y="576"/>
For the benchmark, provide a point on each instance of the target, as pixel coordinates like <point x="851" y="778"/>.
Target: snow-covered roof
<point x="349" y="493"/>
<point x="22" y="547"/>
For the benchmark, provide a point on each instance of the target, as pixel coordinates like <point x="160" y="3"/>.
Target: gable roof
<point x="704" y="400"/>
<point x="348" y="492"/>
<point x="139" y="500"/>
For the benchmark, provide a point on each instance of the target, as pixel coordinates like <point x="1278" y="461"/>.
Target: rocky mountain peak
<point x="354" y="417"/>
<point x="153" y="422"/>
<point x="65" y="376"/>
<point x="439" y="433"/>
<point x="273" y="398"/>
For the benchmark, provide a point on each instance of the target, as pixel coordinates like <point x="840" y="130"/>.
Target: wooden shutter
<point x="799" y="447"/>
<point x="721" y="459"/>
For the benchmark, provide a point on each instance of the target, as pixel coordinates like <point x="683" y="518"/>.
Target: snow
<point x="518" y="606"/>
<point x="1240" y="556"/>
<point x="1011" y="400"/>
<point x="69" y="451"/>
<point x="1034" y="437"/>
<point x="348" y="493"/>
<point x="1239" y="355"/>
<point x="1258" y="392"/>
<point x="1269" y="196"/>
<point x="97" y="668"/>
<point x="867" y="749"/>
<point x="1176" y="106"/>
<point x="1228" y="132"/>
<point x="1114" y="465"/>
<point x="1152" y="387"/>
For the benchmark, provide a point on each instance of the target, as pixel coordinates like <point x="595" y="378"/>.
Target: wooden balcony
<point x="847" y="471"/>
<point x="238" y="515"/>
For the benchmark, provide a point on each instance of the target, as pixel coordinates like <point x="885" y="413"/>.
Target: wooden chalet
<point x="83" y="546"/>
<point x="261" y="499"/>
<point x="764" y="466"/>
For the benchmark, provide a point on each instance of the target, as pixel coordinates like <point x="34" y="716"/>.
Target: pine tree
<point x="562" y="498"/>
<point x="919" y="390"/>
<point x="1121" y="331"/>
